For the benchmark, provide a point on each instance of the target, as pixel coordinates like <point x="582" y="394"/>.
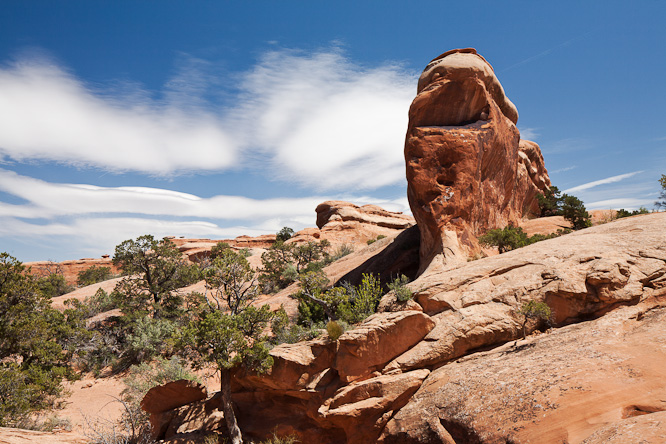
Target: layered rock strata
<point x="467" y="169"/>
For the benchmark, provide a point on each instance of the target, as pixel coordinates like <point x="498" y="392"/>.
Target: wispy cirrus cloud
<point x="529" y="133"/>
<point x="325" y="122"/>
<point x="84" y="217"/>
<point x="317" y="119"/>
<point x="48" y="114"/>
<point x="605" y="181"/>
<point x="562" y="170"/>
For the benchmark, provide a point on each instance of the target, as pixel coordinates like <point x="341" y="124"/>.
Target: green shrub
<point x="284" y="234"/>
<point x="506" y="239"/>
<point x="371" y="241"/>
<point x="662" y="196"/>
<point x="549" y="202"/>
<point x="93" y="275"/>
<point x="534" y="310"/>
<point x="334" y="330"/>
<point x="35" y="344"/>
<point x="53" y="285"/>
<point x="510" y="238"/>
<point x="342" y="251"/>
<point x="148" y="339"/>
<point x="283" y="263"/>
<point x="400" y="289"/>
<point x="624" y="213"/>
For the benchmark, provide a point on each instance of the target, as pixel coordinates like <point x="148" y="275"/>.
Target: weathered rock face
<point x="342" y="222"/>
<point x="347" y="391"/>
<point x="467" y="169"/>
<point x="69" y="269"/>
<point x="594" y="382"/>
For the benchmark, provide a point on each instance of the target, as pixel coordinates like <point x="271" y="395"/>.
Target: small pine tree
<point x="549" y="202"/>
<point x="230" y="332"/>
<point x="574" y="211"/>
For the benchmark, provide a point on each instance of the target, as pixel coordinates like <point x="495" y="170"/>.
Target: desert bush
<point x="275" y="439"/>
<point x="53" y="285"/>
<point x="505" y="239"/>
<point x="35" y="344"/>
<point x="334" y="330"/>
<point x="549" y="202"/>
<point x="284" y="262"/>
<point x="93" y="275"/>
<point x="286" y="332"/>
<point x="534" y="310"/>
<point x="342" y="251"/>
<point x="284" y="234"/>
<point x="49" y="424"/>
<point x="345" y="303"/>
<point x="624" y="213"/>
<point x="134" y="427"/>
<point x="400" y="289"/>
<point x="155" y="270"/>
<point x="148" y="339"/>
<point x="510" y="237"/>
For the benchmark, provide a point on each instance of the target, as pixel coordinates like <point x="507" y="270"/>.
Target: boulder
<point x="335" y="212"/>
<point x="382" y="337"/>
<point x="367" y="402"/>
<point x="171" y="395"/>
<point x="467" y="170"/>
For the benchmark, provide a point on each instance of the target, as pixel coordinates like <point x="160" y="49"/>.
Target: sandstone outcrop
<point x="342" y="222"/>
<point x="171" y="395"/>
<point x="467" y="169"/>
<point x="594" y="382"/>
<point x="360" y="387"/>
<point x="69" y="269"/>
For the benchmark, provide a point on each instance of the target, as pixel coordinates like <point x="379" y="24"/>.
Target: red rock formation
<point x="467" y="169"/>
<point x="69" y="269"/>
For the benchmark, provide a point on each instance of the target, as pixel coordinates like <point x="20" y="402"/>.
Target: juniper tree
<point x="229" y="332"/>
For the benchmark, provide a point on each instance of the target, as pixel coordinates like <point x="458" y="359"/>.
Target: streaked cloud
<point x="48" y="114"/>
<point x="528" y="133"/>
<point x="316" y="119"/>
<point x="626" y="203"/>
<point x="562" y="170"/>
<point x="326" y="122"/>
<point x="81" y="217"/>
<point x="605" y="181"/>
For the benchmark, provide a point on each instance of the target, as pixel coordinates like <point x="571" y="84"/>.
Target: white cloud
<point x="605" y="181"/>
<point x="326" y="122"/>
<point x="315" y="119"/>
<point x="627" y="203"/>
<point x="529" y="133"/>
<point x="82" y="219"/>
<point x="99" y="235"/>
<point x="562" y="170"/>
<point x="48" y="114"/>
<point x="49" y="200"/>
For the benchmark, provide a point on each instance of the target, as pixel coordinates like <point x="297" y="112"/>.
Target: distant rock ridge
<point x="467" y="169"/>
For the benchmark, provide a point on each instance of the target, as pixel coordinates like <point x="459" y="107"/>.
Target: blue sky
<point x="216" y="119"/>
